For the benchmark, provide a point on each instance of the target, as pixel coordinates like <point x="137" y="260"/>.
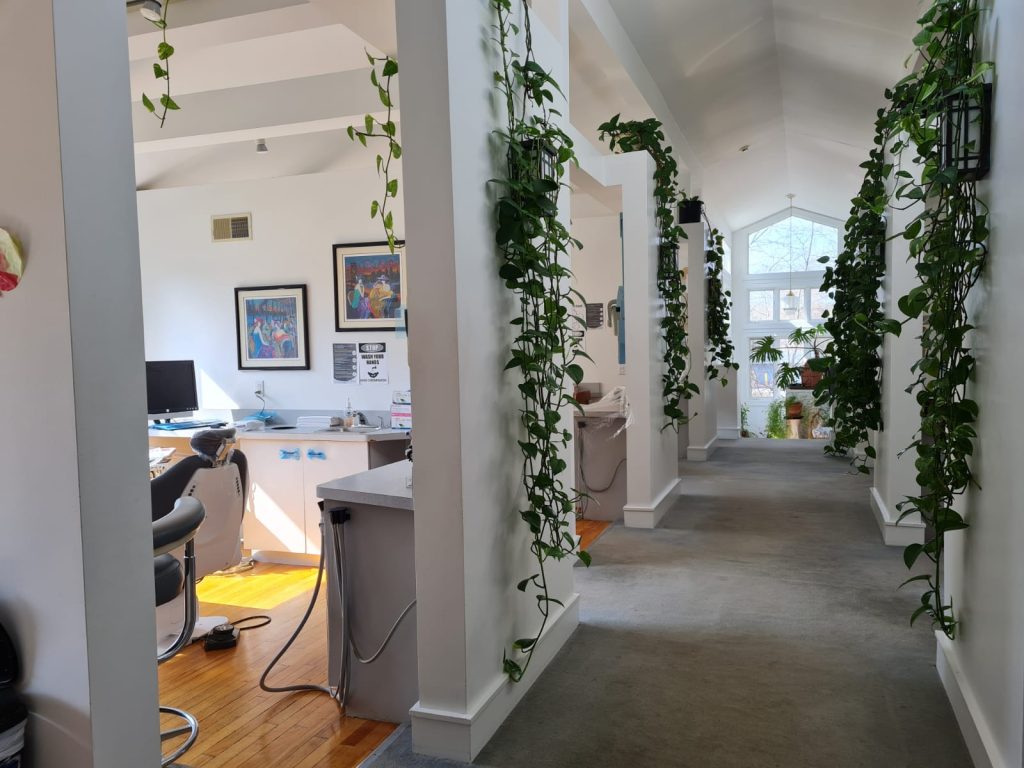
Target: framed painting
<point x="273" y="333"/>
<point x="369" y="286"/>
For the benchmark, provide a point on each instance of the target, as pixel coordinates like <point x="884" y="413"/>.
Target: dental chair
<point x="174" y="579"/>
<point x="218" y="475"/>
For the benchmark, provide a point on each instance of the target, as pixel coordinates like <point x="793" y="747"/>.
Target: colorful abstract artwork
<point x="272" y="331"/>
<point x="369" y="286"/>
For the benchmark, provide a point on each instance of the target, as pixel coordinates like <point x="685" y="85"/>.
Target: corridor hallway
<point x="758" y="627"/>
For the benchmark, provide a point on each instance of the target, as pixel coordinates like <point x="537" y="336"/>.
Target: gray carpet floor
<point x="758" y="627"/>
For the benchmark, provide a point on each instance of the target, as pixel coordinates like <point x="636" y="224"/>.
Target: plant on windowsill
<point x="534" y="245"/>
<point x="807" y="345"/>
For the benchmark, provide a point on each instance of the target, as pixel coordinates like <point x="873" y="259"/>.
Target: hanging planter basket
<point x="690" y="211"/>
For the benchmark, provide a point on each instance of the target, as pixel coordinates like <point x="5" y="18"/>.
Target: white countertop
<point x="298" y="434"/>
<point x="382" y="487"/>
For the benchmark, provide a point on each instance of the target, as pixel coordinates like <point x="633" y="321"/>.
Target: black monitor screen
<point x="171" y="386"/>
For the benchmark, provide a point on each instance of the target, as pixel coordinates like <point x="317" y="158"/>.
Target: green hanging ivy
<point x="719" y="309"/>
<point x="851" y="386"/>
<point x="535" y="246"/>
<point x="162" y="70"/>
<point x="387" y="130"/>
<point x="646" y="135"/>
<point x="948" y="246"/>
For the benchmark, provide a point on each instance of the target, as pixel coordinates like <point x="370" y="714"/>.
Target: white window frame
<point x="746" y="330"/>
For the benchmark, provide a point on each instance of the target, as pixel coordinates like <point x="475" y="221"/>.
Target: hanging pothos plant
<point x="851" y="385"/>
<point x="534" y="246"/>
<point x="387" y="130"/>
<point x="646" y="135"/>
<point x="948" y="246"/>
<point x="719" y="308"/>
<point x="162" y="70"/>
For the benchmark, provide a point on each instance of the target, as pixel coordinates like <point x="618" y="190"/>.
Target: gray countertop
<point x="299" y="434"/>
<point x="382" y="487"/>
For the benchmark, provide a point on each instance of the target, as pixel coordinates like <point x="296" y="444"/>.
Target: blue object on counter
<point x="265" y="416"/>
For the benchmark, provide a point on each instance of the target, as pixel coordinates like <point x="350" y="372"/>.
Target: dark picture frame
<point x="370" y="286"/>
<point x="272" y="328"/>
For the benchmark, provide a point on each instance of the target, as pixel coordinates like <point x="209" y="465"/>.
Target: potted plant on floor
<point x="794" y="408"/>
<point x="744" y="420"/>
<point x="775" y="424"/>
<point x="805" y="346"/>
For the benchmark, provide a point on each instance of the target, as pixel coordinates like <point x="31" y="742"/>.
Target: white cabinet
<point x="283" y="514"/>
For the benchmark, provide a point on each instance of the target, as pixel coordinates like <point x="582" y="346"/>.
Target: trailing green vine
<point x="948" y="246"/>
<point x="387" y="130"/>
<point x="719" y="308"/>
<point x="534" y="246"/>
<point x="162" y="70"/>
<point x="646" y="135"/>
<point x="851" y="386"/>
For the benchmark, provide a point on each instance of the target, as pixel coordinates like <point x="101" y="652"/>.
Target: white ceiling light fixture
<point x="151" y="10"/>
<point x="261" y="147"/>
<point x="791" y="302"/>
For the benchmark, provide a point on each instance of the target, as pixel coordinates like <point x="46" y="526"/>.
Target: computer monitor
<point x="171" y="388"/>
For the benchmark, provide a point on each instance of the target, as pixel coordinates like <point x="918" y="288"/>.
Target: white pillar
<point x="471" y="545"/>
<point x="703" y="426"/>
<point x="76" y="568"/>
<point x="652" y="454"/>
<point x="895" y="477"/>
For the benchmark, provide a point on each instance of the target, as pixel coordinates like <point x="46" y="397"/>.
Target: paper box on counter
<point x="401" y="416"/>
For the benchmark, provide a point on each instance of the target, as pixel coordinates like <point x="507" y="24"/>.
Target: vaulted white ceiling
<point x="798" y="81"/>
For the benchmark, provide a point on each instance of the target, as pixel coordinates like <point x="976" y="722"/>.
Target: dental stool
<point x="218" y="475"/>
<point x="175" y="530"/>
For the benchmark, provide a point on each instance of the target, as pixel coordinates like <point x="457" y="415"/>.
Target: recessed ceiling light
<point x="261" y="146"/>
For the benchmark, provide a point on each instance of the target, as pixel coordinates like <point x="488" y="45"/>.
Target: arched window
<point x="792" y="245"/>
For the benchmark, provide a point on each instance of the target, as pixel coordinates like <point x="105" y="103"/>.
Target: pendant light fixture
<point x="790" y="302"/>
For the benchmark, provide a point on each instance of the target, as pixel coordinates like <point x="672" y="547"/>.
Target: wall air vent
<point x="236" y="226"/>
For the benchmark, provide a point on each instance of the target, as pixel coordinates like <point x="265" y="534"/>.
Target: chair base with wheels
<point x="174" y="530"/>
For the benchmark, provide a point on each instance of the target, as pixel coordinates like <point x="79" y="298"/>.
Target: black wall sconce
<point x="690" y="211"/>
<point x="543" y="159"/>
<point x="967" y="134"/>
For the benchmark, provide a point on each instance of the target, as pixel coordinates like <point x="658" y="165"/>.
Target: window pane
<point x="820" y="303"/>
<point x="792" y="245"/>
<point x="762" y="378"/>
<point x="762" y="306"/>
<point x="792" y="304"/>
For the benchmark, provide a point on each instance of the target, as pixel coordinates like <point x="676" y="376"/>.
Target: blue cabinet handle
<point x="293" y="453"/>
<point x="312" y="454"/>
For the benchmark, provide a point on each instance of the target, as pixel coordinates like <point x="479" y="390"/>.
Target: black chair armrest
<point x="179" y="526"/>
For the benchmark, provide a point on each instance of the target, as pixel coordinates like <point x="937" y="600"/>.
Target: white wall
<point x="984" y="567"/>
<point x="597" y="274"/>
<point x="188" y="282"/>
<point x="76" y="568"/>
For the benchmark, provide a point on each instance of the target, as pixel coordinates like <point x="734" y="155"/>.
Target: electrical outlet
<point x="622" y="370"/>
<point x="260" y="391"/>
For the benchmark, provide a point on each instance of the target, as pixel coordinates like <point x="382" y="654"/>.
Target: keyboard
<point x="174" y="426"/>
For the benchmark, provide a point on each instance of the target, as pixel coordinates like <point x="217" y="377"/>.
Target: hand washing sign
<point x="373" y="363"/>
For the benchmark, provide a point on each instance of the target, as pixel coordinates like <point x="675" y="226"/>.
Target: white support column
<point x="895" y="477"/>
<point x="76" y="558"/>
<point x="471" y="545"/>
<point x="703" y="426"/>
<point x="652" y="454"/>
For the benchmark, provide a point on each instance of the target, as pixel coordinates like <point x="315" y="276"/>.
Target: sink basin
<point x="362" y="429"/>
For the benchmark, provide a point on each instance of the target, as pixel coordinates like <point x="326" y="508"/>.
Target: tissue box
<point x="401" y="416"/>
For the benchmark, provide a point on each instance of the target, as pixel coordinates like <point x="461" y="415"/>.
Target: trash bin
<point x="13" y="714"/>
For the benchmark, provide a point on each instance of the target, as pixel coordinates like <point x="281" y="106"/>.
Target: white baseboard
<point x="285" y="558"/>
<point x="977" y="734"/>
<point x="461" y="735"/>
<point x="648" y="517"/>
<point x="728" y="433"/>
<point x="895" y="534"/>
<point x="702" y="452"/>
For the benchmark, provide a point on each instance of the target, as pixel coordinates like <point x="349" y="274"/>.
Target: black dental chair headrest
<point x="208" y="442"/>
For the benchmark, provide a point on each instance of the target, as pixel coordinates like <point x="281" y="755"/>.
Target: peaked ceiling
<point x="799" y="81"/>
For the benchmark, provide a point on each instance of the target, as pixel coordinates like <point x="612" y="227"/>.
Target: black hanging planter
<point x="690" y="211"/>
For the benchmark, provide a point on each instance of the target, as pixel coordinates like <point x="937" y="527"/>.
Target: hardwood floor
<point x="239" y="724"/>
<point x="590" y="531"/>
